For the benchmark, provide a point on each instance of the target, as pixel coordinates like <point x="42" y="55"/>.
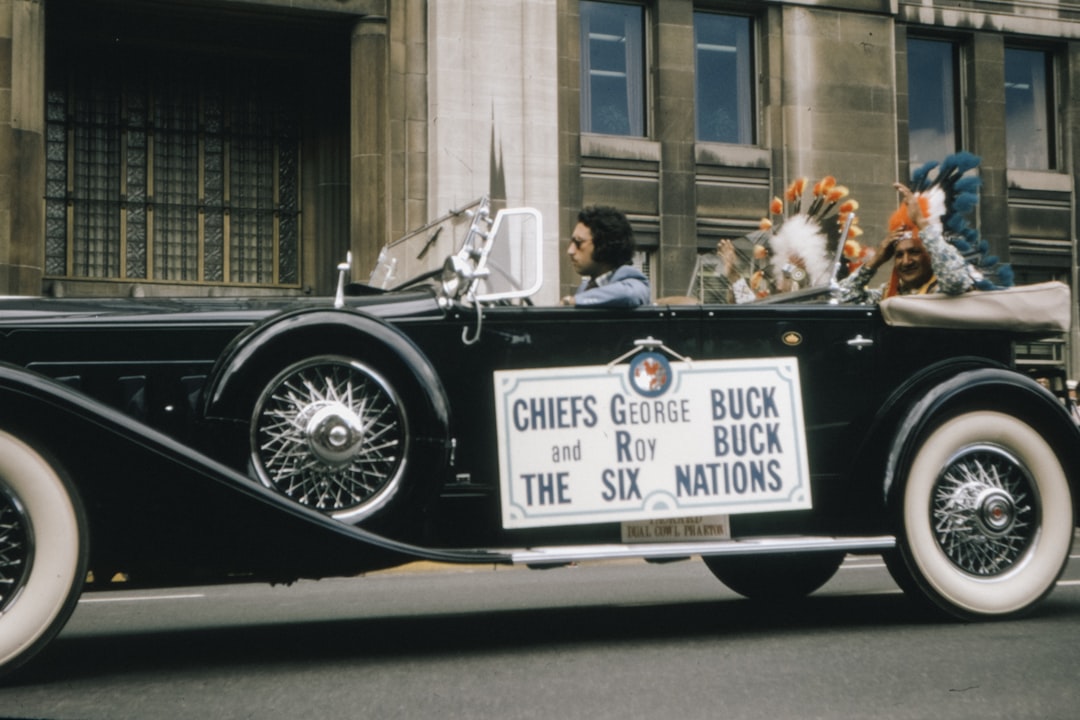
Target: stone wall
<point x="22" y="152"/>
<point x="493" y="110"/>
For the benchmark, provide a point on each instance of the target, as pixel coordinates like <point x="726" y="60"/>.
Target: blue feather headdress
<point x="961" y="194"/>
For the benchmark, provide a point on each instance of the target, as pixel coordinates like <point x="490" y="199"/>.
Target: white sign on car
<point x="650" y="439"/>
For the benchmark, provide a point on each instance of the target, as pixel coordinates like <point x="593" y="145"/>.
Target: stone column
<point x="675" y="129"/>
<point x="493" y="112"/>
<point x="986" y="116"/>
<point x="839" y="107"/>
<point x="22" y="146"/>
<point x="369" y="123"/>
<point x="1070" y="137"/>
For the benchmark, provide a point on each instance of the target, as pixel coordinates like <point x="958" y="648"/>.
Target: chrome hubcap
<point x="984" y="510"/>
<point x="995" y="512"/>
<point x="335" y="434"/>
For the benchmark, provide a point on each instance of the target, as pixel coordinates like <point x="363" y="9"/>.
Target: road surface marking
<point x="192" y="596"/>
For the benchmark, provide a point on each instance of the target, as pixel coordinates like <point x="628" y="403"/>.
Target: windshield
<point x="422" y="251"/>
<point x="488" y="258"/>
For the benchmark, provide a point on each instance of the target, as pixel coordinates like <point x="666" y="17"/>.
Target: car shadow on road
<point x="473" y="633"/>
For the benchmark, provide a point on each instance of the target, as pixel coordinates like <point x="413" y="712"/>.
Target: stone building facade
<point x="165" y="147"/>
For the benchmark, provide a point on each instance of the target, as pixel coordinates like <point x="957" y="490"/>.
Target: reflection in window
<point x="709" y="283"/>
<point x="932" y="100"/>
<point x="725" y="78"/>
<point x="1029" y="134"/>
<point x="643" y="262"/>
<point x="612" y="69"/>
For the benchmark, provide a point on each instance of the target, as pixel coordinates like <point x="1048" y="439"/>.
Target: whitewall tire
<point x="986" y="516"/>
<point x="43" y="551"/>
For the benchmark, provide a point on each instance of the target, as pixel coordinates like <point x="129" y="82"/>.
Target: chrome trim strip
<point x="748" y="546"/>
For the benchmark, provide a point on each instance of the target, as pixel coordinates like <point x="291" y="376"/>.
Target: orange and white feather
<point x="804" y="238"/>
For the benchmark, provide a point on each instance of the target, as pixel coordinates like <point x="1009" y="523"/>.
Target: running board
<point x="670" y="551"/>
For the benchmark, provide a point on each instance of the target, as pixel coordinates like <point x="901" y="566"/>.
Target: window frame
<point x="751" y="78"/>
<point x="1052" y="104"/>
<point x="959" y="56"/>
<point x="144" y="234"/>
<point x="586" y="122"/>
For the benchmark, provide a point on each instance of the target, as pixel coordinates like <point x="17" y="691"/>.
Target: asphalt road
<point x="617" y="640"/>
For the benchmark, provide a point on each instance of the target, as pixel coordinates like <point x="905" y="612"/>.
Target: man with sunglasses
<point x="601" y="249"/>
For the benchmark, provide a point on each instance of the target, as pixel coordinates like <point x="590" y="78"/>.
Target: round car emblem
<point x="792" y="338"/>
<point x="650" y="374"/>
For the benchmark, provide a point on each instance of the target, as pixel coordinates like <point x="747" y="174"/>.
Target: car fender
<point x="978" y="388"/>
<point x="248" y="366"/>
<point x="269" y="345"/>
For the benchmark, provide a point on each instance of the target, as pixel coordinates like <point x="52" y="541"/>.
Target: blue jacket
<point x="625" y="287"/>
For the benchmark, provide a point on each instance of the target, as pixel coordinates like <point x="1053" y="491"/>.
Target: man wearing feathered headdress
<point x="790" y="249"/>
<point x="931" y="244"/>
<point x="923" y="262"/>
<point x="925" y="259"/>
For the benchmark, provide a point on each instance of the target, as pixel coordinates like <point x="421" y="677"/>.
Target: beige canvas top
<point x="1043" y="307"/>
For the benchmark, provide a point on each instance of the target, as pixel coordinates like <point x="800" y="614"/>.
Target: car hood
<point x="18" y="310"/>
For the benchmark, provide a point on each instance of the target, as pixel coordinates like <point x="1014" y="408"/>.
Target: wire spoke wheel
<point x="986" y="517"/>
<point x="985" y="511"/>
<point x="16" y="547"/>
<point x="331" y="433"/>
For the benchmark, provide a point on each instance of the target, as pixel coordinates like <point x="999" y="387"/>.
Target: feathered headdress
<point x="797" y="242"/>
<point x="947" y="194"/>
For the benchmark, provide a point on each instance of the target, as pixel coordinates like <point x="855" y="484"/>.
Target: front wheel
<point x="43" y="552"/>
<point x="986" y="516"/>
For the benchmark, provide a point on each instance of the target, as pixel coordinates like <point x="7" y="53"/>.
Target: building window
<point x="709" y="283"/>
<point x="161" y="176"/>
<point x="933" y="100"/>
<point x="725" y="78"/>
<point x="643" y="262"/>
<point x="1047" y="352"/>
<point x="1029" y="110"/>
<point x="612" y="68"/>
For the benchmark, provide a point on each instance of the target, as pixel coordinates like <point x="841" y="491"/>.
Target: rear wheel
<point x="775" y="577"/>
<point x="43" y="552"/>
<point x="986" y="517"/>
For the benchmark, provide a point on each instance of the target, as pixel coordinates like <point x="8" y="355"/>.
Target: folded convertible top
<point x="1042" y="307"/>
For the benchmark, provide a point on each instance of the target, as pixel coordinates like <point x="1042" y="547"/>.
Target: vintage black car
<point x="191" y="441"/>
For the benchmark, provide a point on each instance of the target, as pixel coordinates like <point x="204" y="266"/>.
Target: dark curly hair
<point x="613" y="239"/>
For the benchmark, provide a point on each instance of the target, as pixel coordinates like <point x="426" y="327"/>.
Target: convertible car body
<point x="185" y="441"/>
